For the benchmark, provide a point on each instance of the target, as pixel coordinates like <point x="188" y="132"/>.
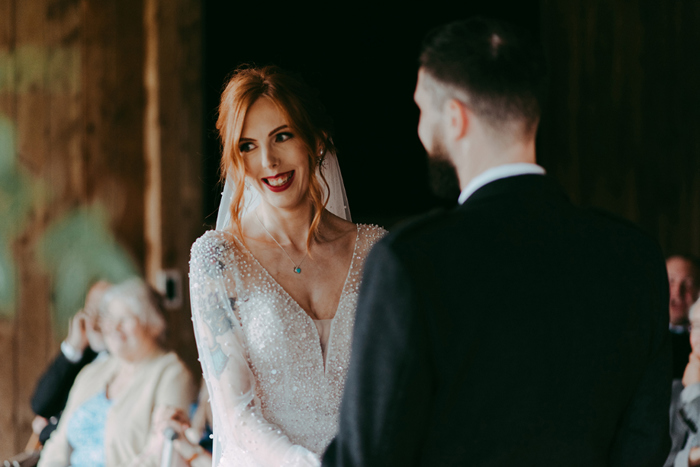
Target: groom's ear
<point x="458" y="119"/>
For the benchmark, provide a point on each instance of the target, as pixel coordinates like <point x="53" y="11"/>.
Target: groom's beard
<point x="444" y="182"/>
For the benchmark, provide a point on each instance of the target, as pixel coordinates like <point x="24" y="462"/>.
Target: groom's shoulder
<point x="421" y="230"/>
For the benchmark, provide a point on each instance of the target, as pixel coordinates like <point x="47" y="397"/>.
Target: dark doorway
<point x="363" y="60"/>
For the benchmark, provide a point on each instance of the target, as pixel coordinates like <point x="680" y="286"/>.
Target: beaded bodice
<point x="297" y="395"/>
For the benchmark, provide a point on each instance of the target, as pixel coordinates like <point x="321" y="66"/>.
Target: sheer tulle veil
<point x="337" y="199"/>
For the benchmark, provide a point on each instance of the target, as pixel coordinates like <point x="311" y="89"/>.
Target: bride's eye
<point x="246" y="147"/>
<point x="284" y="136"/>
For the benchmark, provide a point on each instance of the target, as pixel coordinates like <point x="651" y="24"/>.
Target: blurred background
<point x="109" y="158"/>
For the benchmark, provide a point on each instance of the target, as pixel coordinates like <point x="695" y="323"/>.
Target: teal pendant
<point x="297" y="270"/>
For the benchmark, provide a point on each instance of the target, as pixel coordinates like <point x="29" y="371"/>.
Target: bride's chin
<point x="288" y="202"/>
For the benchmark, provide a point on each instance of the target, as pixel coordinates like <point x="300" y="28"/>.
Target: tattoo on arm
<point x="219" y="360"/>
<point x="216" y="316"/>
<point x="217" y="319"/>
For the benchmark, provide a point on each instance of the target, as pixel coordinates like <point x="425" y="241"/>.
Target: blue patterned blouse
<point x="86" y="432"/>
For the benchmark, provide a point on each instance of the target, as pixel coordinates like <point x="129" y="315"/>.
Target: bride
<point x="274" y="288"/>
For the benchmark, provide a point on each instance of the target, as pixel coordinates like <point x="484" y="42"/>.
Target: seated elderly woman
<point x="690" y="396"/>
<point x="108" y="420"/>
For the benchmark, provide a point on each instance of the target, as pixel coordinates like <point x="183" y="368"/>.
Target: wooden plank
<point x="112" y="86"/>
<point x="33" y="128"/>
<point x="7" y="389"/>
<point x="173" y="30"/>
<point x="153" y="189"/>
<point x="76" y="99"/>
<point x="180" y="107"/>
<point x="7" y="326"/>
<point x="65" y="169"/>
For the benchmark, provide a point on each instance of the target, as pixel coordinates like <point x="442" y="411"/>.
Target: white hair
<point x="142" y="301"/>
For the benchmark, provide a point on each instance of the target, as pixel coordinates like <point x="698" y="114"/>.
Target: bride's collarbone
<point x="318" y="286"/>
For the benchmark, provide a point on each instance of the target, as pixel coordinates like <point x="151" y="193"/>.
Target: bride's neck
<point x="287" y="225"/>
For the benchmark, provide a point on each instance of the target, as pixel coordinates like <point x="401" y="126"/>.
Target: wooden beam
<point x="113" y="100"/>
<point x="173" y="147"/>
<point x="32" y="93"/>
<point x="152" y="142"/>
<point x="8" y="436"/>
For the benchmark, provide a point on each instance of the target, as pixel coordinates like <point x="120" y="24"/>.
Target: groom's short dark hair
<point x="497" y="66"/>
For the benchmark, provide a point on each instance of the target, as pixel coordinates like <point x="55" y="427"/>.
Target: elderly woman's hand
<point x="188" y="450"/>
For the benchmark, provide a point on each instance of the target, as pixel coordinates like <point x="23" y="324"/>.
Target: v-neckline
<point x="289" y="296"/>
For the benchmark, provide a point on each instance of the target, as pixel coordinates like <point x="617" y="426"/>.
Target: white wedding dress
<point x="275" y="401"/>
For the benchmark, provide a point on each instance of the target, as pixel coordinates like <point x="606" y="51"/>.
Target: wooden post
<point x="33" y="99"/>
<point x="173" y="147"/>
<point x="152" y="143"/>
<point x="113" y="115"/>
<point x="7" y="334"/>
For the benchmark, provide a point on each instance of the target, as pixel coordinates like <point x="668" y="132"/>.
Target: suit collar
<point x="520" y="185"/>
<point x="497" y="173"/>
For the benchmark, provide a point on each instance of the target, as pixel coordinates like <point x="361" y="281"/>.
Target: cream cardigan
<point x="160" y="380"/>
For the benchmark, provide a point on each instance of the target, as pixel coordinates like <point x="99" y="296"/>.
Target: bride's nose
<point x="269" y="158"/>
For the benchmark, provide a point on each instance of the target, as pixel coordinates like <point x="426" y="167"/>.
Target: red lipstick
<point x="277" y="189"/>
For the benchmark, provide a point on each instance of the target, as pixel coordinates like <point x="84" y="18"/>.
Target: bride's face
<point x="276" y="161"/>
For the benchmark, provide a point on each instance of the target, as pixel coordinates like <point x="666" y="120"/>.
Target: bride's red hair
<point x="306" y="117"/>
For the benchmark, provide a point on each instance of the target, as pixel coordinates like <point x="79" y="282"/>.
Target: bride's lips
<point x="289" y="176"/>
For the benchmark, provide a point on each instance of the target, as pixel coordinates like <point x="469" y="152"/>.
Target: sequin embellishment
<point x="297" y="396"/>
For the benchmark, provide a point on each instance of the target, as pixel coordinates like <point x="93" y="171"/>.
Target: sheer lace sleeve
<point x="241" y="433"/>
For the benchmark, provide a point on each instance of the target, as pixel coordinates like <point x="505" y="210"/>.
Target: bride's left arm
<point x="222" y="353"/>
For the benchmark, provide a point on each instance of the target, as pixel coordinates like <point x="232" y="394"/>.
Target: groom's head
<point x="480" y="81"/>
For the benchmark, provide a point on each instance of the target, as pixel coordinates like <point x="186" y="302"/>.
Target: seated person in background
<point x="690" y="396"/>
<point x="108" y="419"/>
<point x="83" y="344"/>
<point x="684" y="289"/>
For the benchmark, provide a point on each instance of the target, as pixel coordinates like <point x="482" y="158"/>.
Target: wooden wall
<point x="73" y="77"/>
<point x="621" y="126"/>
<point x="104" y="98"/>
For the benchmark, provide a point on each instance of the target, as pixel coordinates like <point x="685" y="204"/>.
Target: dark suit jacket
<point x="51" y="392"/>
<point x="516" y="329"/>
<point x="680" y="349"/>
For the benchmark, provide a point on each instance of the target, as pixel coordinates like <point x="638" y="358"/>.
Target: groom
<point x="516" y="329"/>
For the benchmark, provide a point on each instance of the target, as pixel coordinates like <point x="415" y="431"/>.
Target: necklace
<point x="297" y="267"/>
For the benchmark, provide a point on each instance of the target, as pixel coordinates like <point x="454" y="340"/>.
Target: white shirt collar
<point x="496" y="173"/>
<point x="678" y="328"/>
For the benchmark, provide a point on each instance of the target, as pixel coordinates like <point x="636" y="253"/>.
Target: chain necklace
<point x="297" y="267"/>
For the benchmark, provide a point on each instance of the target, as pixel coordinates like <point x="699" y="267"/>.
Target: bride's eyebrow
<point x="243" y="138"/>
<point x="277" y="129"/>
